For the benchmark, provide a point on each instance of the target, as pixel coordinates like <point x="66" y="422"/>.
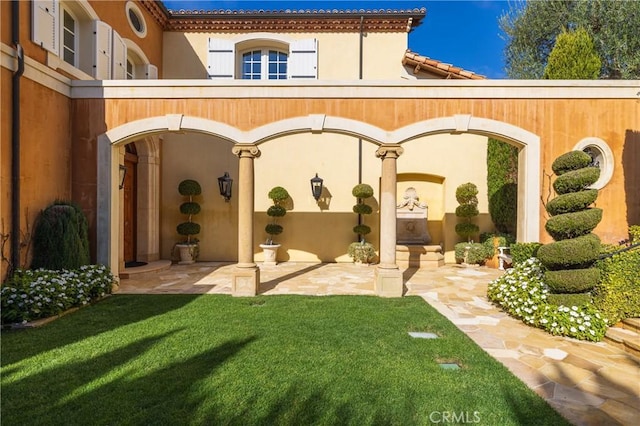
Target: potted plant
<point x="362" y="251"/>
<point x="278" y="195"/>
<point x="189" y="249"/>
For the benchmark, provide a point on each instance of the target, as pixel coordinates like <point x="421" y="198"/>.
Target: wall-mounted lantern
<point x="316" y="187"/>
<point x="225" y="183"/>
<point x="123" y="174"/>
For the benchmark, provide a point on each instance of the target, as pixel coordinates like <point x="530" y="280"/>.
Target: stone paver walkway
<point x="588" y="383"/>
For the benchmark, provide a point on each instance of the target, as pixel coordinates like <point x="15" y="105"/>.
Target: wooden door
<point x="130" y="207"/>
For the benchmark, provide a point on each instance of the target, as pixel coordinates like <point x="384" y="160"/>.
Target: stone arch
<point x="107" y="203"/>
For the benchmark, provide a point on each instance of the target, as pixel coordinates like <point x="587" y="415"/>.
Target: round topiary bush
<point x="570" y="254"/>
<point x="362" y="190"/>
<point x="572" y="280"/>
<point x="572" y="160"/>
<point x="362" y="229"/>
<point x="362" y="208"/>
<point x="189" y="188"/>
<point x="576" y="180"/>
<point x="467" y="196"/>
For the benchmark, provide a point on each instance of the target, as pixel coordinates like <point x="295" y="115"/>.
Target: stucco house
<point x="112" y="104"/>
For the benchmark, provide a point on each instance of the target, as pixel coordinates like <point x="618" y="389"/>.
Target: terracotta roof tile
<point x="423" y="63"/>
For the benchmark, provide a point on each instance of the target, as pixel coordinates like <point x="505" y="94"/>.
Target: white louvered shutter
<point x="221" y="59"/>
<point x="45" y="24"/>
<point x="119" y="62"/>
<point x="151" y="72"/>
<point x="303" y="59"/>
<point x="101" y="50"/>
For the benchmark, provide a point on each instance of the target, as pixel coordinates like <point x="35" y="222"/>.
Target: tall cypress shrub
<point x="569" y="259"/>
<point x="61" y="238"/>
<point x="502" y="185"/>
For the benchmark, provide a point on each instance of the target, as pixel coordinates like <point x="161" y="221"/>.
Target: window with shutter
<point x="44" y="25"/>
<point x="69" y="38"/>
<point x="221" y="59"/>
<point x="119" y="63"/>
<point x="102" y="50"/>
<point x="303" y="59"/>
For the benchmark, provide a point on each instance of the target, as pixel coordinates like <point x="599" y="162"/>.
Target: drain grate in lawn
<point x="216" y="359"/>
<point x="422" y="335"/>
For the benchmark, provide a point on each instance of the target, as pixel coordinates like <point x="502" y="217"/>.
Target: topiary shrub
<point x="572" y="225"/>
<point x="617" y="295"/>
<point x="361" y="251"/>
<point x="520" y="252"/>
<point x="278" y="195"/>
<point x="467" y="197"/>
<point x="575" y="248"/>
<point x="189" y="188"/>
<point x="61" y="238"/>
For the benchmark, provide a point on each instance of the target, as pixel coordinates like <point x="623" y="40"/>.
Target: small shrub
<point x="477" y="254"/>
<point x="362" y="229"/>
<point x="570" y="299"/>
<point x="618" y="293"/>
<point x="362" y="208"/>
<point x="467" y="210"/>
<point x="362" y="190"/>
<point x="278" y="195"/>
<point x="361" y="252"/>
<point x="520" y="252"/>
<point x="61" y="237"/>
<point x="33" y="294"/>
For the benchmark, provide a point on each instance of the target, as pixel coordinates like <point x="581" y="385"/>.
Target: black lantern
<point x="225" y="183"/>
<point x="123" y="174"/>
<point x="316" y="187"/>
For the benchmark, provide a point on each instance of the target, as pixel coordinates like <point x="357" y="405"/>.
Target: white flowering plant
<point x="522" y="293"/>
<point x="33" y="294"/>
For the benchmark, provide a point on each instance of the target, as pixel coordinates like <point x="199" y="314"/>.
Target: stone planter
<point x="188" y="253"/>
<point x="270" y="253"/>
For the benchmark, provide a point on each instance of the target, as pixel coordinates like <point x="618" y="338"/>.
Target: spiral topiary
<point x="278" y="195"/>
<point x="189" y="188"/>
<point x="569" y="258"/>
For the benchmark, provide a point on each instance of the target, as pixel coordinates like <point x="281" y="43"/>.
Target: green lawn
<point x="183" y="360"/>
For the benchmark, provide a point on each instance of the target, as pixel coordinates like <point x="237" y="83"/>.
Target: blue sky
<point x="464" y="33"/>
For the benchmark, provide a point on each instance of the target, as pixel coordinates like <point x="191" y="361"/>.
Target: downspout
<point x="360" y="71"/>
<point x="15" y="138"/>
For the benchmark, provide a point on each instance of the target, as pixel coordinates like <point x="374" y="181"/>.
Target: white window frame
<point x="75" y="33"/>
<point x="264" y="62"/>
<point x="605" y="157"/>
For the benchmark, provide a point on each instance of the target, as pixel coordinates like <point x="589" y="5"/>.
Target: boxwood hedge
<point x="572" y="225"/>
<point x="572" y="160"/>
<point x="572" y="280"/>
<point x="576" y="180"/>
<point x="573" y="253"/>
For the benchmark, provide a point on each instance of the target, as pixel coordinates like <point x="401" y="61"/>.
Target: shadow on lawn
<point x="108" y="314"/>
<point x="93" y="391"/>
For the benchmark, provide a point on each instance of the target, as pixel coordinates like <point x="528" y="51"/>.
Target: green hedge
<point x="572" y="202"/>
<point x="520" y="252"/>
<point x="572" y="225"/>
<point x="572" y="280"/>
<point x="618" y="294"/>
<point x="576" y="180"/>
<point x="573" y="253"/>
<point x="502" y="184"/>
<point x="569" y="299"/>
<point x="478" y="253"/>
<point x="572" y="160"/>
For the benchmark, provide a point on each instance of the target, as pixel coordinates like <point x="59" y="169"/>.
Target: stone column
<point x="388" y="278"/>
<point x="246" y="275"/>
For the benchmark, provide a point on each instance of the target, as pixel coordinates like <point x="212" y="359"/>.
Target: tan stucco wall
<point x="338" y="54"/>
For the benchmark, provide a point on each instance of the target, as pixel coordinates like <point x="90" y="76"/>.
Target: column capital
<point x="389" y="151"/>
<point x="246" y="151"/>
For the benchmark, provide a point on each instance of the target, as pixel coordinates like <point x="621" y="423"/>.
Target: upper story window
<point x="69" y="38"/>
<point x="136" y="19"/>
<point x="264" y="64"/>
<point x="262" y="59"/>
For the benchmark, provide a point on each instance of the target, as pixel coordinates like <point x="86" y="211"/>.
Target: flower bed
<point x="522" y="293"/>
<point x="34" y="294"/>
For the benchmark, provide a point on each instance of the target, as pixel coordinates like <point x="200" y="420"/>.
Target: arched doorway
<point x="130" y="207"/>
